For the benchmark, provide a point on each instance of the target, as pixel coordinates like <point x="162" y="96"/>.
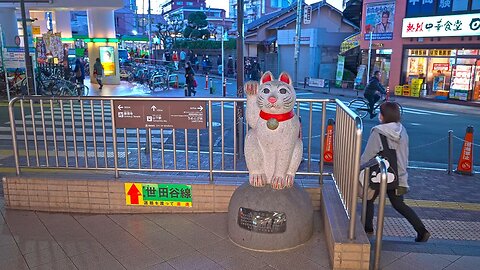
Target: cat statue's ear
<point x="267" y="77"/>
<point x="284" y="77"/>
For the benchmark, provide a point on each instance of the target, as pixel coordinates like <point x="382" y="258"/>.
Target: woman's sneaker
<point x="423" y="237"/>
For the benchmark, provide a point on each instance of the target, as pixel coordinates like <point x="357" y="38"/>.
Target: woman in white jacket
<point x="397" y="139"/>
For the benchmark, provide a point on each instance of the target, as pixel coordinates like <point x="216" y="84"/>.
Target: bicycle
<point x="360" y="106"/>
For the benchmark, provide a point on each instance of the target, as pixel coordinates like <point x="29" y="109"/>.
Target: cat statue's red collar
<point x="274" y="119"/>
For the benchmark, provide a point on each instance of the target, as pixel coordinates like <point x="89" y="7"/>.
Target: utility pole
<point x="28" y="60"/>
<point x="240" y="77"/>
<point x="223" y="58"/>
<point x="149" y="30"/>
<point x="369" y="56"/>
<point x="298" y="33"/>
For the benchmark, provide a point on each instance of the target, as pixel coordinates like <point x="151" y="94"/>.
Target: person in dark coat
<point x="230" y="66"/>
<point x="79" y="71"/>
<point x="373" y="91"/>
<point x="255" y="71"/>
<point x="190" y="79"/>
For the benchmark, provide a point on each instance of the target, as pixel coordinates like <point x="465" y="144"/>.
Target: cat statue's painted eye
<point x="283" y="91"/>
<point x="266" y="91"/>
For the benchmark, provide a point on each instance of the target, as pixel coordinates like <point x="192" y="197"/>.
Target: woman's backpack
<point x="390" y="155"/>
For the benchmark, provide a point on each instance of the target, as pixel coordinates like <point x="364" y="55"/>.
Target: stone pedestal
<point x="265" y="219"/>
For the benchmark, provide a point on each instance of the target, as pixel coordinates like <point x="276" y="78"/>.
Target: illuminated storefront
<point x="447" y="73"/>
<point x="433" y="51"/>
<point x="448" y="70"/>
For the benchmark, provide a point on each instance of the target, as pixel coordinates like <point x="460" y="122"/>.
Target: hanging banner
<point x="340" y="68"/>
<point x="379" y="21"/>
<point x="360" y="72"/>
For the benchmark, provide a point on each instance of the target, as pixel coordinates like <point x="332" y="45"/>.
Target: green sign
<point x="340" y="68"/>
<point x="167" y="194"/>
<point x="158" y="194"/>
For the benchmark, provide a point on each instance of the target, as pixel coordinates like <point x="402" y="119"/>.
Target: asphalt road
<point x="427" y="123"/>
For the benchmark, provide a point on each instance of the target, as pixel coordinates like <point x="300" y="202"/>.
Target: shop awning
<point x="350" y="42"/>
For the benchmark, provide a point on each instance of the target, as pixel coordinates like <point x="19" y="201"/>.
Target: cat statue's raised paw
<point x="273" y="145"/>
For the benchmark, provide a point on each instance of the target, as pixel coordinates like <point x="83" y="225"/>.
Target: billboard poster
<point x="379" y="21"/>
<point x="107" y="58"/>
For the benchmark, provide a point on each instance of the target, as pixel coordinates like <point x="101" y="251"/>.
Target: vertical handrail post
<point x="210" y="141"/>
<point x="381" y="212"/>
<point x="114" y="137"/>
<point x="366" y="180"/>
<point x="450" y="152"/>
<point x="354" y="177"/>
<point x="14" y="134"/>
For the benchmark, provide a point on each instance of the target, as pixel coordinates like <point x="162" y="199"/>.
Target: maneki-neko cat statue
<point x="273" y="145"/>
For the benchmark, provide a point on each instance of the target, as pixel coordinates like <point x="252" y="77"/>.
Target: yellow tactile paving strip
<point x="440" y="229"/>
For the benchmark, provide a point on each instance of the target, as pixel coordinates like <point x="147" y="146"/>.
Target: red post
<point x="176" y="82"/>
<point x="206" y="82"/>
<point x="224" y="87"/>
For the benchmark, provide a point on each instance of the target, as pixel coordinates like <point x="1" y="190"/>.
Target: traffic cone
<point x="465" y="162"/>
<point x="328" y="143"/>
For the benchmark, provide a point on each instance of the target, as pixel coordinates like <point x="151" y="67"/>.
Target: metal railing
<point x="381" y="208"/>
<point x="347" y="146"/>
<point x="80" y="133"/>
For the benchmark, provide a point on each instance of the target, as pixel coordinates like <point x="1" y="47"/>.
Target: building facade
<point x="432" y="47"/>
<point x="271" y="39"/>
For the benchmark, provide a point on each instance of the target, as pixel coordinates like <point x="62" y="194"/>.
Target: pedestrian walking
<point x="255" y="71"/>
<point x="79" y="71"/>
<point x="175" y="59"/>
<point x="230" y="66"/>
<point x="190" y="79"/>
<point x="373" y="91"/>
<point x="397" y="139"/>
<point x="195" y="63"/>
<point x="98" y="72"/>
<point x="183" y="58"/>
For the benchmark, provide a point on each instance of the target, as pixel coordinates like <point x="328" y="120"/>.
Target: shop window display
<point x="445" y="73"/>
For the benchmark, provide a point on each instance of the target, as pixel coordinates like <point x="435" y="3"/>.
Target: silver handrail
<point x="347" y="147"/>
<point x="82" y="143"/>
<point x="381" y="208"/>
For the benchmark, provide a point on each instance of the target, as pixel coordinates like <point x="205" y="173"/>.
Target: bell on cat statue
<point x="273" y="145"/>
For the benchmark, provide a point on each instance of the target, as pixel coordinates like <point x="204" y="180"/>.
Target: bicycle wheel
<point x="83" y="90"/>
<point x="359" y="106"/>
